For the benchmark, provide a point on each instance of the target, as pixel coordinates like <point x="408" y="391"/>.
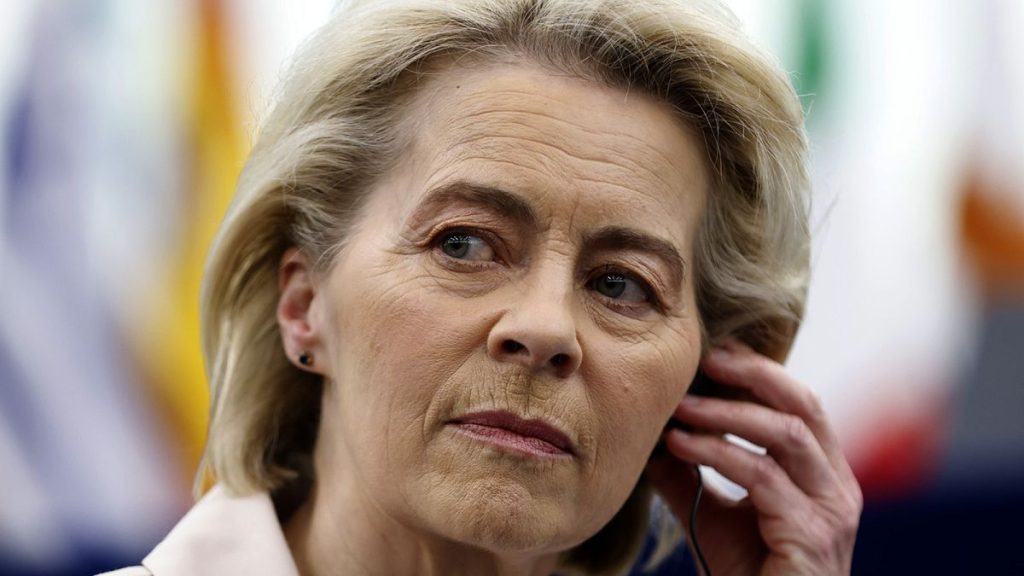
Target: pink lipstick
<point x="506" y="430"/>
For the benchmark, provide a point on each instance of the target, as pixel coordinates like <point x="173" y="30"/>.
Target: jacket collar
<point x="225" y="534"/>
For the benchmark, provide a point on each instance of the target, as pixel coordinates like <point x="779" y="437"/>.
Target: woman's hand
<point x="804" y="504"/>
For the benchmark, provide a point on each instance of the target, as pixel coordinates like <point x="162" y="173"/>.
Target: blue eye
<point x="462" y="246"/>
<point x="620" y="287"/>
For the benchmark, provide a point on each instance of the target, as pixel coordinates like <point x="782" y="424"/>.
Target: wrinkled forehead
<point x="565" y="144"/>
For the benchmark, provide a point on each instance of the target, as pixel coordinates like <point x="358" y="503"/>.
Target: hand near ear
<point x="804" y="504"/>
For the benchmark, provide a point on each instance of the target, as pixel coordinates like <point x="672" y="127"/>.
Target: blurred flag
<point x="216" y="150"/>
<point x="102" y="242"/>
<point x="986" y="432"/>
<point x="813" y="56"/>
<point x="86" y="468"/>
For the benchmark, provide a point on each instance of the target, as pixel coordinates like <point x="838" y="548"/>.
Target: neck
<point x="328" y="535"/>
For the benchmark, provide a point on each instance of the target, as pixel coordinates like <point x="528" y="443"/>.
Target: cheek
<point x="399" y="340"/>
<point x="635" y="388"/>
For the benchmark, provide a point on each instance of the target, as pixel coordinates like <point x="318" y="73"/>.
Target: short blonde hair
<point x="335" y="129"/>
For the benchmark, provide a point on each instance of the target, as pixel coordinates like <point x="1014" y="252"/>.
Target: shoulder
<point x="222" y="534"/>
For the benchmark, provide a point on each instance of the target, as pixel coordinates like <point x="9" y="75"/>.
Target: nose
<point x="538" y="331"/>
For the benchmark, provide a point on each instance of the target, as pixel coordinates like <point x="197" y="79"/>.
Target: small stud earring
<point x="306" y="359"/>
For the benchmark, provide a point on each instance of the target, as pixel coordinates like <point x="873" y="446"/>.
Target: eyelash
<point x="437" y="240"/>
<point x="653" y="299"/>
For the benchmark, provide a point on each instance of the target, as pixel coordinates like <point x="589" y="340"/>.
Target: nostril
<point x="559" y="360"/>
<point x="511" y="346"/>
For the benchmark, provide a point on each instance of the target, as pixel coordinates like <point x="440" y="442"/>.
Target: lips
<point x="507" y="430"/>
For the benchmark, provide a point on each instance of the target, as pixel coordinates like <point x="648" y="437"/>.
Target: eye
<point x="464" y="246"/>
<point x="620" y="286"/>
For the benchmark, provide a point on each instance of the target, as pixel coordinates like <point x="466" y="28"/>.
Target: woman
<point x="477" y="257"/>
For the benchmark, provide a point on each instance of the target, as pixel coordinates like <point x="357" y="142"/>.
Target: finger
<point x="770" y="489"/>
<point x="787" y="438"/>
<point x="735" y="364"/>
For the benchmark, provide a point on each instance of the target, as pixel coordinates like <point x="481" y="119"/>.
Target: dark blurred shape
<point x="941" y="531"/>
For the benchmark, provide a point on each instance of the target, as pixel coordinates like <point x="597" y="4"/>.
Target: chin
<point x="502" y="516"/>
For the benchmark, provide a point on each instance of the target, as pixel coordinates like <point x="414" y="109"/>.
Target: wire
<point x="693" y="522"/>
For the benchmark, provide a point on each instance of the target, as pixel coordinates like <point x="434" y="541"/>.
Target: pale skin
<point x="531" y="253"/>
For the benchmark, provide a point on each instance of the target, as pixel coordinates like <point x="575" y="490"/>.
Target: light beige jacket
<point x="221" y="535"/>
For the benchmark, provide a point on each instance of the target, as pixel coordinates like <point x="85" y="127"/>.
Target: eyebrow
<point x="505" y="203"/>
<point x="620" y="238"/>
<point x="515" y="207"/>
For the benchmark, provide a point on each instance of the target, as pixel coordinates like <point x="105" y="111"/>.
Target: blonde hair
<point x="335" y="129"/>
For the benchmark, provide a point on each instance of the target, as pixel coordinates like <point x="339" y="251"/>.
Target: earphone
<point x="693" y="522"/>
<point x="701" y="386"/>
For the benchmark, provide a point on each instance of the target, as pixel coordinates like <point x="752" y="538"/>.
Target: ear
<point x="299" y="316"/>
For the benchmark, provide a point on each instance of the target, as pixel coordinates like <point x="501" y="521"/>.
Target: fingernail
<point x="690" y="400"/>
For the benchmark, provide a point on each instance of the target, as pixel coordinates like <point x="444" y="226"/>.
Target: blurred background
<point x="123" y="125"/>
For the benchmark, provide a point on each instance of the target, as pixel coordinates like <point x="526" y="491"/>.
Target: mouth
<point x="510" y="432"/>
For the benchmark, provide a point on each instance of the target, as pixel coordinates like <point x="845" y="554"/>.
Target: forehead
<point x="605" y="155"/>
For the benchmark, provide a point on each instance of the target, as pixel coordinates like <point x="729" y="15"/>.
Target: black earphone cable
<point x="693" y="523"/>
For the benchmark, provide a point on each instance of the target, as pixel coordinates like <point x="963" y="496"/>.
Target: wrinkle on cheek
<point x="590" y="439"/>
<point x="625" y="331"/>
<point x="390" y="295"/>
<point x="641" y="381"/>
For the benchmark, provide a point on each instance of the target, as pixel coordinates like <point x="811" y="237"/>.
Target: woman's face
<point x="513" y="320"/>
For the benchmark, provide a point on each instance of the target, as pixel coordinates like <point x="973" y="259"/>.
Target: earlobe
<point x="297" y="316"/>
